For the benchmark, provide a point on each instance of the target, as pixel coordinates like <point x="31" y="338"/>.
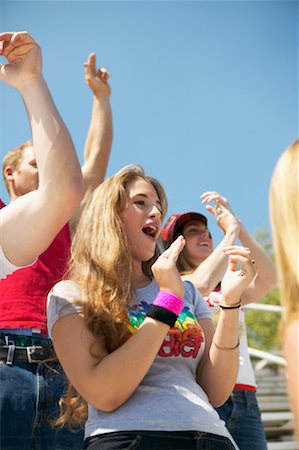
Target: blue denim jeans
<point x="29" y="395"/>
<point x="153" y="440"/>
<point x="243" y="420"/>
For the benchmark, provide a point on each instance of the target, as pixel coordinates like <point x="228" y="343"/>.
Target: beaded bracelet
<point x="226" y="348"/>
<point x="166" y="308"/>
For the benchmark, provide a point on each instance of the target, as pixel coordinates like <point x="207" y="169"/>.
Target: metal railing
<point x="265" y="357"/>
<point x="264" y="307"/>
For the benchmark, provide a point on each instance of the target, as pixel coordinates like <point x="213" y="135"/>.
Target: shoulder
<point x="63" y="299"/>
<point x="67" y="289"/>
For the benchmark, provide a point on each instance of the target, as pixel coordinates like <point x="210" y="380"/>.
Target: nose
<point x="155" y="211"/>
<point x="205" y="233"/>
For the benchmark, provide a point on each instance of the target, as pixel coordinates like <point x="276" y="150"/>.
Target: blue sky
<point x="204" y="93"/>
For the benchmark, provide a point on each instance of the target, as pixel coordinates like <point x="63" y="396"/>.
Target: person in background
<point x="200" y="263"/>
<point x="32" y="380"/>
<point x="284" y="211"/>
<point x="28" y="226"/>
<point x="137" y="344"/>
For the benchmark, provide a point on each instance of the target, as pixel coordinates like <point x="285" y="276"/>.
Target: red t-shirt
<point x="23" y="295"/>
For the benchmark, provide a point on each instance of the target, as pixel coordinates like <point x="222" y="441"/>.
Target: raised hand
<point x="239" y="274"/>
<point x="23" y="55"/>
<point x="225" y="217"/>
<point x="165" y="270"/>
<point x="210" y="196"/>
<point x="97" y="80"/>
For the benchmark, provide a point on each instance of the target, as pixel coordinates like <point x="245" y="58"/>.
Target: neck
<point x="140" y="280"/>
<point x="12" y="195"/>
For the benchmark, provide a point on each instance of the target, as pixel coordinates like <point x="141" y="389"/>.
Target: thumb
<point x="232" y="263"/>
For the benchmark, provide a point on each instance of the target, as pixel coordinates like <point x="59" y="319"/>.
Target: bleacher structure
<point x="272" y="395"/>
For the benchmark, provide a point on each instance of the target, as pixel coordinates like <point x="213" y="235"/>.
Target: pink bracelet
<point x="169" y="301"/>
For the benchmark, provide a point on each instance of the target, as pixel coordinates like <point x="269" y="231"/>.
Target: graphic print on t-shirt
<point x="184" y="339"/>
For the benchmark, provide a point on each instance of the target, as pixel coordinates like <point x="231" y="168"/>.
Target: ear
<point x="8" y="173"/>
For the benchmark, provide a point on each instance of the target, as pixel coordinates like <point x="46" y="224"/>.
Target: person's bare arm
<point x="210" y="272"/>
<point x="99" y="139"/>
<point x="223" y="363"/>
<point x="265" y="279"/>
<point x="30" y="223"/>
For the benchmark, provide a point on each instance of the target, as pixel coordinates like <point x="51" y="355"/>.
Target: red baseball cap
<point x="173" y="227"/>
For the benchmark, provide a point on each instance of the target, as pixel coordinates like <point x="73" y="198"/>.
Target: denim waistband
<point x="24" y="332"/>
<point x="23" y="340"/>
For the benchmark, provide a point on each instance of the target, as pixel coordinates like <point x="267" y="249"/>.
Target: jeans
<point x="152" y="440"/>
<point x="29" y="395"/>
<point x="243" y="420"/>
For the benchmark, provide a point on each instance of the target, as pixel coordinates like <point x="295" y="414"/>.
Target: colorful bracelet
<point x="166" y="308"/>
<point x="226" y="348"/>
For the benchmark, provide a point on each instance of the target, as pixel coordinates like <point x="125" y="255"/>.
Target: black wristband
<point x="230" y="307"/>
<point x="162" y="315"/>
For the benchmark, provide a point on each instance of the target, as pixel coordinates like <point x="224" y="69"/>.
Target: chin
<point x="147" y="255"/>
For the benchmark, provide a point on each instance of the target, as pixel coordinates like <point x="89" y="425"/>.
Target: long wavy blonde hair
<point x="284" y="211"/>
<point x="102" y="266"/>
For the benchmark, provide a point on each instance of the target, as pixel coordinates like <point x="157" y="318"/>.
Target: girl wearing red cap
<point x="205" y="266"/>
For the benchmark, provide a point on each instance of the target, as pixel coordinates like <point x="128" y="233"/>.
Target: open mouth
<point x="150" y="231"/>
<point x="204" y="244"/>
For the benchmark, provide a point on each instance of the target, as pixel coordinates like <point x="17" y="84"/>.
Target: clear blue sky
<point x="204" y="93"/>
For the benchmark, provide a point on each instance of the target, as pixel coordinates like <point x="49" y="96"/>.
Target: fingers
<point x="4" y="41"/>
<point x="239" y="255"/>
<point x="235" y="260"/>
<point x="90" y="68"/>
<point x="11" y="41"/>
<point x="210" y="196"/>
<point x="165" y="270"/>
<point x="90" y="65"/>
<point x="239" y="252"/>
<point x="216" y="210"/>
<point x="13" y="37"/>
<point x="173" y="252"/>
<point x="103" y="74"/>
<point x="96" y="79"/>
<point x="211" y="209"/>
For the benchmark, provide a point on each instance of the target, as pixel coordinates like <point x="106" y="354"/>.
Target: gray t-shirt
<point x="168" y="398"/>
